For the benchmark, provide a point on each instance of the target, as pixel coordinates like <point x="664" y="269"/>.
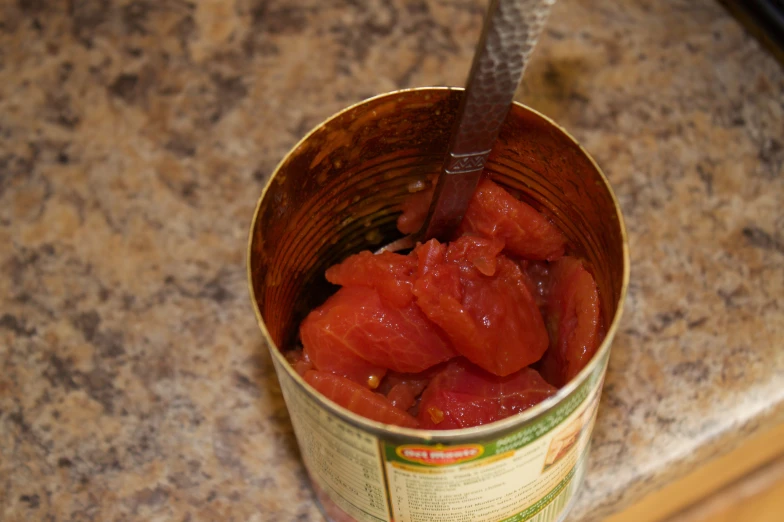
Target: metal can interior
<point x="340" y="191"/>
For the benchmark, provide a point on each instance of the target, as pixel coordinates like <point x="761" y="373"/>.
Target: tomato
<point x="357" y="320"/>
<point x="491" y="319"/>
<point x="415" y="209"/>
<point x="574" y="321"/>
<point x="299" y="360"/>
<point x="357" y="398"/>
<point x="389" y="273"/>
<point x="462" y="395"/>
<point x="538" y="278"/>
<point x="331" y="355"/>
<point x="495" y="213"/>
<point x="403" y="389"/>
<point x="477" y="253"/>
<point x="404" y="394"/>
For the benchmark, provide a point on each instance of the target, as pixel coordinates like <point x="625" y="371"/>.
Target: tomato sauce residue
<point x="455" y="334"/>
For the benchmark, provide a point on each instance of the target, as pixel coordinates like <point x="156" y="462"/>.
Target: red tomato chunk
<point x="493" y="212"/>
<point x="359" y="399"/>
<point x="390" y="274"/>
<point x="358" y="320"/>
<point x="491" y="318"/>
<point x="403" y="389"/>
<point x="463" y="395"/>
<point x="574" y="321"/>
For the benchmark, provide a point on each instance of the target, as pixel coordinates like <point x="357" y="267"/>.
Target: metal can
<point x="339" y="191"/>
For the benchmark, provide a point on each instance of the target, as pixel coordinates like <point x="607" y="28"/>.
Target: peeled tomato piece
<point x="538" y="274"/>
<point x="415" y="209"/>
<point x="494" y="213"/>
<point x="481" y="299"/>
<point x="389" y="273"/>
<point x="299" y="360"/>
<point x="328" y="351"/>
<point x="357" y="398"/>
<point x="403" y="389"/>
<point x="336" y="358"/>
<point x="462" y="396"/>
<point x="573" y="315"/>
<point x="356" y="320"/>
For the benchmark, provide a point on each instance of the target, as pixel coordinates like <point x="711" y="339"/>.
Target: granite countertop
<point x="137" y="136"/>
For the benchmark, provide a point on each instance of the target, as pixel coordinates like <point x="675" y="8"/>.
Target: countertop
<point x="137" y="136"/>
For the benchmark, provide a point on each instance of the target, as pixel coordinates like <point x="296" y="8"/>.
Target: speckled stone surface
<point x="137" y="135"/>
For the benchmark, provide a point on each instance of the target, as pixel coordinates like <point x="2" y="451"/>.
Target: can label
<point x="343" y="461"/>
<point x="529" y="474"/>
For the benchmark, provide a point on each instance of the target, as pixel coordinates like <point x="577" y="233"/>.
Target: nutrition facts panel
<point x="343" y="461"/>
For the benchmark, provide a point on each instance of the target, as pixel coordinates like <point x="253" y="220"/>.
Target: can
<point x="339" y="191"/>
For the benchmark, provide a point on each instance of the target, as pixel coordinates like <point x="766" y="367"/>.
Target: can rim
<point x="456" y="435"/>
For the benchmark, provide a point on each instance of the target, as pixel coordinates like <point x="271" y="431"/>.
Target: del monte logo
<point x="439" y="455"/>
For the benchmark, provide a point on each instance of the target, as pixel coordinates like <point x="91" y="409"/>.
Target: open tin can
<point x="340" y="191"/>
